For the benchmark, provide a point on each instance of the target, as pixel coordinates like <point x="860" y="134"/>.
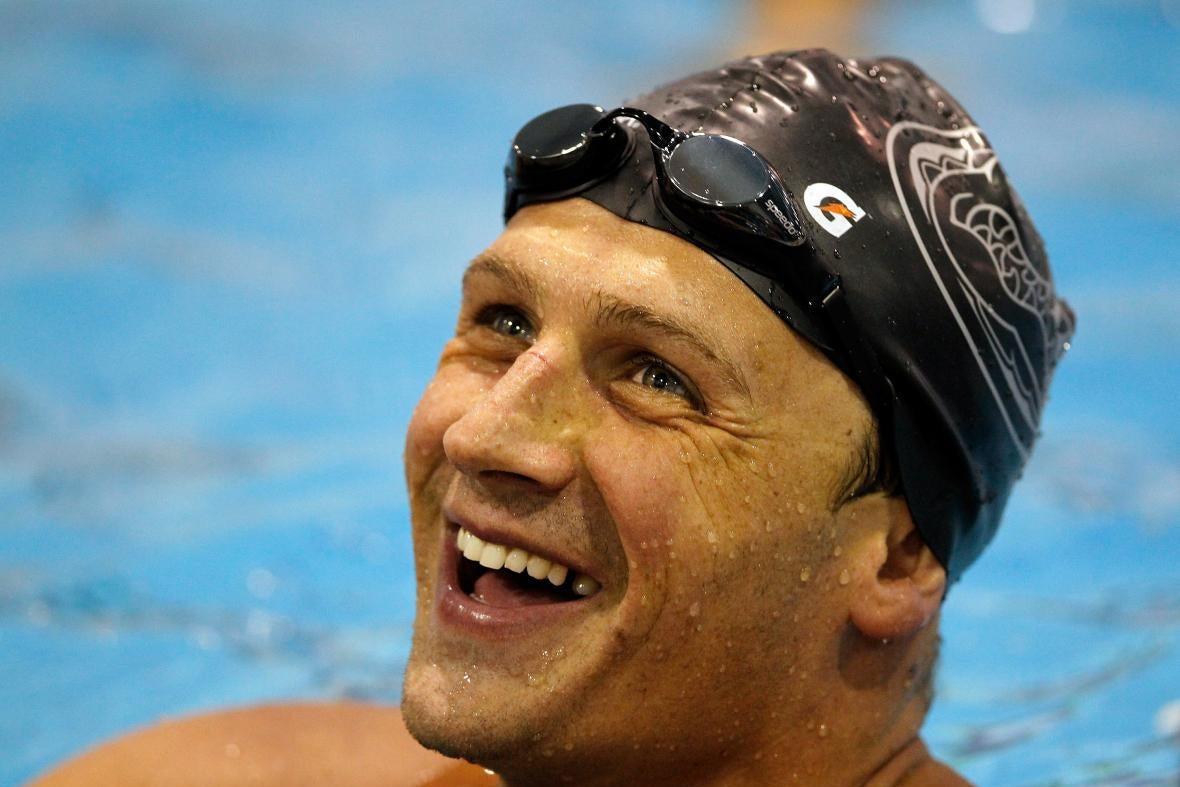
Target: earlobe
<point x="900" y="584"/>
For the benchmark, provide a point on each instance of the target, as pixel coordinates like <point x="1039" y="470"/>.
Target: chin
<point x="479" y="720"/>
<point x="498" y="734"/>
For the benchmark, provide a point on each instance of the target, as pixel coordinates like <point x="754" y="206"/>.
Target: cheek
<point x="711" y="523"/>
<point x="642" y="487"/>
<point x="674" y="511"/>
<point x="444" y="401"/>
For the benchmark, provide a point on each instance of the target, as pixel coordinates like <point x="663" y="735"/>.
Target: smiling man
<point x="740" y="390"/>
<point x="743" y="385"/>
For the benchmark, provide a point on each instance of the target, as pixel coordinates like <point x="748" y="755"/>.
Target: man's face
<point x="616" y="401"/>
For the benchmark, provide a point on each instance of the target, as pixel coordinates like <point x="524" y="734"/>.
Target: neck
<point x="888" y="754"/>
<point x="852" y="725"/>
<point x="909" y="766"/>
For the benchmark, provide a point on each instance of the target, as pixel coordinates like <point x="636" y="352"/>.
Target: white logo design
<point x="1010" y="364"/>
<point x="832" y="208"/>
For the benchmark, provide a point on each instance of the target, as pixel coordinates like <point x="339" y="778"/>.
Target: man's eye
<point x="507" y="321"/>
<point x="654" y="374"/>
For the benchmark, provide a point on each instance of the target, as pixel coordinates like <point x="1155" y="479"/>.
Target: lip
<point x="459" y="611"/>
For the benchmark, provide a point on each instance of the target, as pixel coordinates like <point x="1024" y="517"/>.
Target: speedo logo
<point x="832" y="208"/>
<point x="791" y="225"/>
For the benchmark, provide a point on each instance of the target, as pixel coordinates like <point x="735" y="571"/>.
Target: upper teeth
<point x="497" y="556"/>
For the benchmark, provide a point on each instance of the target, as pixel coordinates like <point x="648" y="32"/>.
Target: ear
<point x="899" y="583"/>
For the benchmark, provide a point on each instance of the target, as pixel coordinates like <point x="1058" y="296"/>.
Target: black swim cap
<point x="945" y="275"/>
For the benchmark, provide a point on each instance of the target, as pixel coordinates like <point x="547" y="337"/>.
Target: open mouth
<point x="499" y="575"/>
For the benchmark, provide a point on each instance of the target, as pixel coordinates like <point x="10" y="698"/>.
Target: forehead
<point x="579" y="239"/>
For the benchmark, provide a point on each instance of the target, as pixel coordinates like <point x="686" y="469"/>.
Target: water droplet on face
<point x="835" y="99"/>
<point x="805" y="574"/>
<point x="844" y="577"/>
<point x="801" y="508"/>
<point x="694" y="609"/>
<point x="711" y="536"/>
<point x="837" y="550"/>
<point x="823" y="730"/>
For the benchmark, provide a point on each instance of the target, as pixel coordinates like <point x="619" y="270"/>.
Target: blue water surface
<point x="230" y="240"/>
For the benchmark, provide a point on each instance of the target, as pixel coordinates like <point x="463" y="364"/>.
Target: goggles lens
<point x="556" y="138"/>
<point x="718" y="169"/>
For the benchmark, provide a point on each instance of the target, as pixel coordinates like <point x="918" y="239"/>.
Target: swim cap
<point x="945" y="277"/>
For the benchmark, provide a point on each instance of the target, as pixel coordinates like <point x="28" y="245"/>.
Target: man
<point x="740" y="390"/>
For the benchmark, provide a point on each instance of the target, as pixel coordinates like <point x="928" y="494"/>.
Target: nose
<point x="520" y="432"/>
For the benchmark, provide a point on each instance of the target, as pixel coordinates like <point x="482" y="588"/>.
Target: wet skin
<point x="616" y="400"/>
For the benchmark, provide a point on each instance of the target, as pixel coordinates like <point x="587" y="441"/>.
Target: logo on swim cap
<point x="993" y="278"/>
<point x="832" y="208"/>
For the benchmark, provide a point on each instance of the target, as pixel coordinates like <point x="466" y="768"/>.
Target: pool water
<point x="230" y="241"/>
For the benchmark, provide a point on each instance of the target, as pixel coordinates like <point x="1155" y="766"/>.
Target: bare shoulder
<point x="913" y="766"/>
<point x="935" y="774"/>
<point x="348" y="744"/>
<point x="926" y="771"/>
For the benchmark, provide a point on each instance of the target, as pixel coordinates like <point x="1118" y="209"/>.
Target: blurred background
<point x="230" y="241"/>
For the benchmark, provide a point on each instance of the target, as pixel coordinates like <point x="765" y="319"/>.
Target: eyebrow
<point x="510" y="275"/>
<point x="613" y="312"/>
